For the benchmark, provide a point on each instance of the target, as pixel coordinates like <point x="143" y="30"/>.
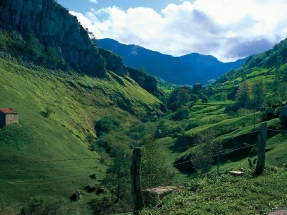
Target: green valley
<point x="82" y="112"/>
<point x="50" y="156"/>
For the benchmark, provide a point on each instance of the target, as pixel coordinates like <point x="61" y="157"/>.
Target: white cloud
<point x="94" y="1"/>
<point x="205" y="26"/>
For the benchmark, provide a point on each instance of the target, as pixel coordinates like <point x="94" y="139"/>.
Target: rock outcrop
<point x="146" y="81"/>
<point x="114" y="62"/>
<point x="55" y="27"/>
<point x="157" y="193"/>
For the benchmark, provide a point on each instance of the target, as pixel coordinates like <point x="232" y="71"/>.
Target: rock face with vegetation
<point x="54" y="27"/>
<point x="114" y="62"/>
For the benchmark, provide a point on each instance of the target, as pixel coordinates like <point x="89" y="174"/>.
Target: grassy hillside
<point x="45" y="159"/>
<point x="49" y="157"/>
<point x="228" y="126"/>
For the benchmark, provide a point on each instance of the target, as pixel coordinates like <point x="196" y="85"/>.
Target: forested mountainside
<point x="184" y="70"/>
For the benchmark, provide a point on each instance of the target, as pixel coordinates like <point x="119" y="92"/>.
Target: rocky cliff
<point x="55" y="27"/>
<point x="115" y="63"/>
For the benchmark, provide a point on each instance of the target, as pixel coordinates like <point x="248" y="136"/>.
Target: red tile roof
<point x="7" y="110"/>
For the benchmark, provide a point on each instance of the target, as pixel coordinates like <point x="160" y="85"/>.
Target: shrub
<point x="176" y="131"/>
<point x="165" y="128"/>
<point x="253" y="151"/>
<point x="44" y="205"/>
<point x="33" y="45"/>
<point x="109" y="123"/>
<point x="48" y="110"/>
<point x="180" y="114"/>
<point x="204" y="99"/>
<point x="243" y="112"/>
<point x="269" y="114"/>
<point x="192" y="124"/>
<point x="233" y="107"/>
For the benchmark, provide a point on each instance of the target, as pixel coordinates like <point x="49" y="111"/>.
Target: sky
<point x="226" y="29"/>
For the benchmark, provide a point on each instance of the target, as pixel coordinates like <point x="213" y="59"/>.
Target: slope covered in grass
<point x="224" y="131"/>
<point x="49" y="157"/>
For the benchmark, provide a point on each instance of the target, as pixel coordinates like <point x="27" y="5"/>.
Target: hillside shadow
<point x="182" y="144"/>
<point x="44" y="114"/>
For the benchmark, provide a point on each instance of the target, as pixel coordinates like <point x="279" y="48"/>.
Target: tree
<point x="179" y="97"/>
<point x="181" y="114"/>
<point x="142" y="70"/>
<point x="204" y="99"/>
<point x="282" y="90"/>
<point x="53" y="57"/>
<point x="94" y="41"/>
<point x="209" y="91"/>
<point x="154" y="171"/>
<point x="183" y="96"/>
<point x="118" y="173"/>
<point x="243" y="94"/>
<point x="258" y="91"/>
<point x="33" y="45"/>
<point x="223" y="97"/>
<point x="202" y="157"/>
<point x="276" y="82"/>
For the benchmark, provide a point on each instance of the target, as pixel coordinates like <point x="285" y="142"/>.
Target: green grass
<point x="227" y="194"/>
<point x="53" y="159"/>
<point x="44" y="155"/>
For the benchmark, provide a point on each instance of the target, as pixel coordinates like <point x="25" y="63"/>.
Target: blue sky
<point x="84" y="5"/>
<point x="226" y="29"/>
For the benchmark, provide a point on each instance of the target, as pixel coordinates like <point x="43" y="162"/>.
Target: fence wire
<point x="46" y="180"/>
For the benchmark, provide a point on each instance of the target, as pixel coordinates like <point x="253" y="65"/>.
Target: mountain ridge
<point x="190" y="68"/>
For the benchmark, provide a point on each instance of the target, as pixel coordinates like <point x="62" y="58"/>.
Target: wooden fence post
<point x="261" y="144"/>
<point x="136" y="183"/>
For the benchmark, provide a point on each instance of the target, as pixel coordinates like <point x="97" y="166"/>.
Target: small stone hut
<point x="8" y="116"/>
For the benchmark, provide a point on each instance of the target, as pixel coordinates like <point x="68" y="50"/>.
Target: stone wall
<point x="11" y="118"/>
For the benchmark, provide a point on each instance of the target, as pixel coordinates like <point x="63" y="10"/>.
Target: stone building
<point x="8" y="116"/>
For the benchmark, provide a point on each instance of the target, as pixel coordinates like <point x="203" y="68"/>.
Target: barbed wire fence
<point x="127" y="177"/>
<point x="224" y="151"/>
